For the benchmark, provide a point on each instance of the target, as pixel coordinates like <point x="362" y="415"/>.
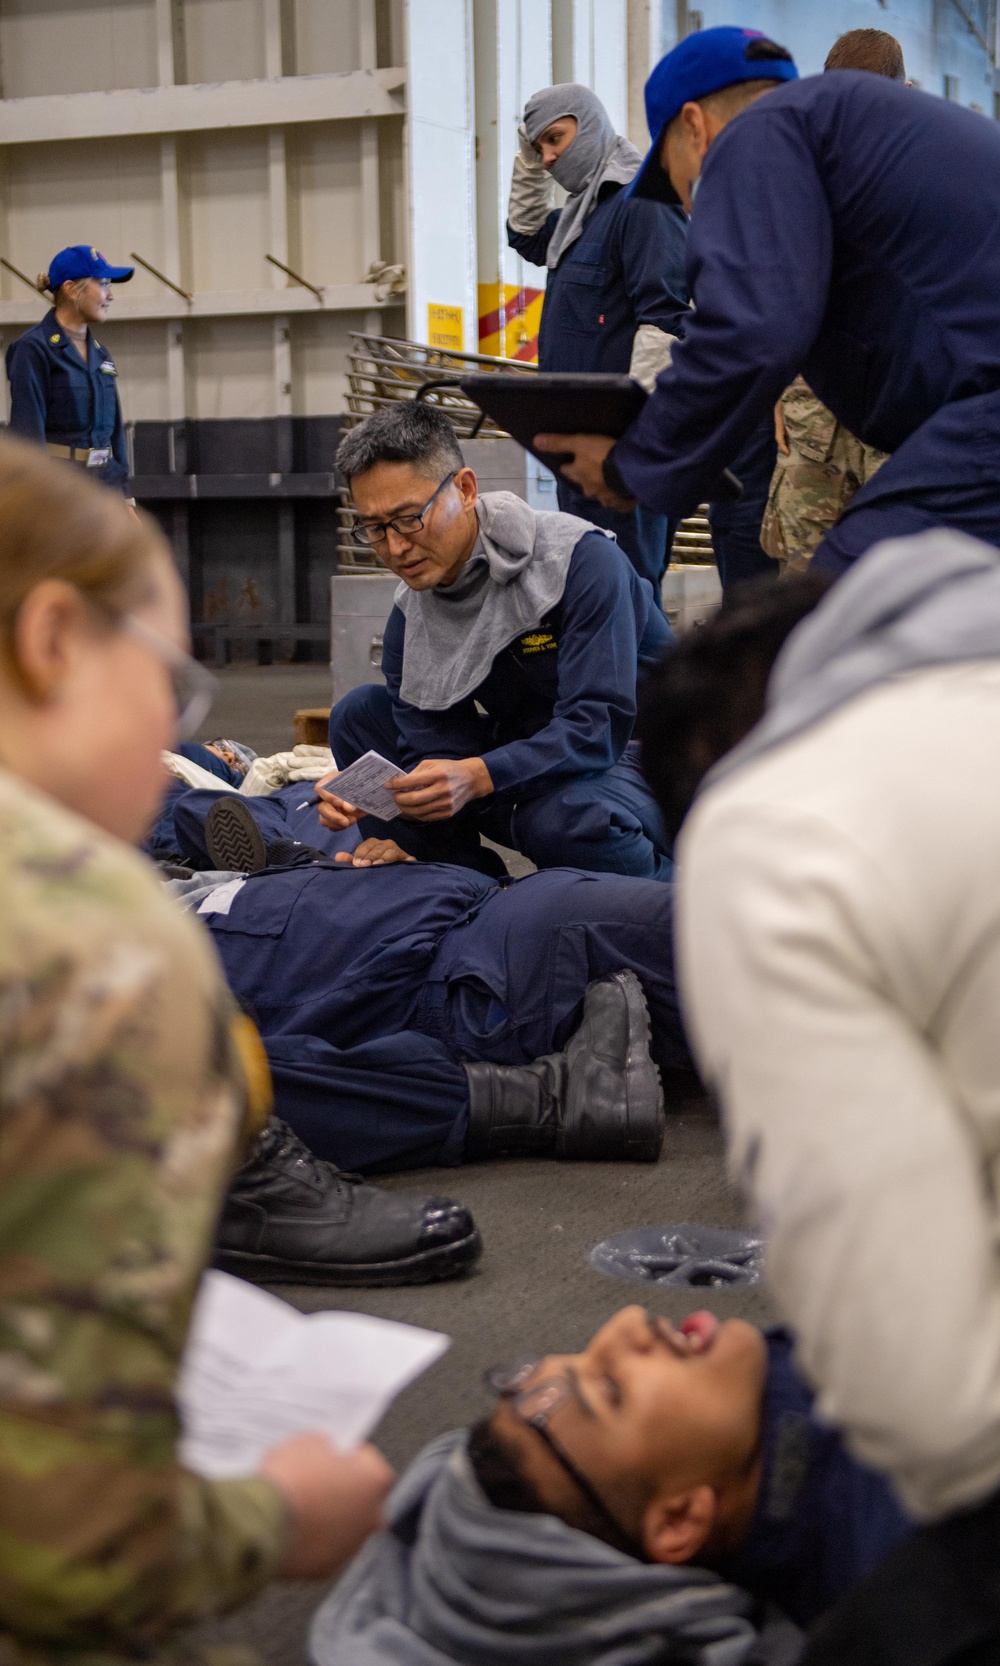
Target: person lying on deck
<point x="422" y="1014"/>
<point x="645" y="1500"/>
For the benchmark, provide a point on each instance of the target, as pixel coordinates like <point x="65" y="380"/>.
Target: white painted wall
<point x="441" y="185"/>
<point x="513" y="60"/>
<point x="589" y="44"/>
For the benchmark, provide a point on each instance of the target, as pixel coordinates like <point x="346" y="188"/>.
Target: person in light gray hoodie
<point x="838" y="943"/>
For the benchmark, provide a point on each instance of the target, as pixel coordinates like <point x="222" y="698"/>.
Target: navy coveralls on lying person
<point x="626" y="269"/>
<point x="848" y="228"/>
<point x="291" y="812"/>
<point x="369" y="986"/>
<point x="822" y="1520"/>
<point x="59" y="400"/>
<point x="558" y="707"/>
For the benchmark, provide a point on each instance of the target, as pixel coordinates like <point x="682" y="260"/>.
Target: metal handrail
<point x="383" y="370"/>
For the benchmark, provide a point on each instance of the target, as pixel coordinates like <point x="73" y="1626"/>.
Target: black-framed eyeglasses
<point x="376" y="532"/>
<point x="533" y="1404"/>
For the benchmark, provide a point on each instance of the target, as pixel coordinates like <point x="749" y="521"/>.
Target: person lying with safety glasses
<point x="652" y="1498"/>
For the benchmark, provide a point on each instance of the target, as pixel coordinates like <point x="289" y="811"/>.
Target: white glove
<point x="531" y="189"/>
<point x="651" y="352"/>
<point x="302" y="763"/>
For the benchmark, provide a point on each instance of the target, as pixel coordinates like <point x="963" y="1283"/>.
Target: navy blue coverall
<point x="292" y="812"/>
<point x="625" y="269"/>
<point x="55" y="397"/>
<point x="847" y="227"/>
<point x="822" y="1519"/>
<point x="560" y="704"/>
<point x="371" y="985"/>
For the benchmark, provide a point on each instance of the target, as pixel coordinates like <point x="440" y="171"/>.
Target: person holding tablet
<point x="615" y="297"/>
<point x="511" y="660"/>
<point x="879" y="207"/>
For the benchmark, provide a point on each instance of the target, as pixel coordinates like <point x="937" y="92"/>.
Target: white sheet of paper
<point x="255" y="1372"/>
<point x="360" y="784"/>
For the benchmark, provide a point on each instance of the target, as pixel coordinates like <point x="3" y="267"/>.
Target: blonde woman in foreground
<point x="128" y="1086"/>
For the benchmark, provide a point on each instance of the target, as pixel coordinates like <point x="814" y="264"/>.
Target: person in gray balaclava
<point x="615" y="297"/>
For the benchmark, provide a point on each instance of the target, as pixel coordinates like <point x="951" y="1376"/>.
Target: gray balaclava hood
<point x="910" y="603"/>
<point x="455" y="1580"/>
<point x="514" y="577"/>
<point x="596" y="156"/>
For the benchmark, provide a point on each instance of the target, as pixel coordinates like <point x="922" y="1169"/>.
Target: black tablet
<point x="553" y="403"/>
<point x="557" y="403"/>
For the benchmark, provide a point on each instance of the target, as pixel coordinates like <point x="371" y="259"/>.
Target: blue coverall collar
<point x="52" y="327"/>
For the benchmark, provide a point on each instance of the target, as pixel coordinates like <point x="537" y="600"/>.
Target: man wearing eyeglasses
<point x="511" y="659"/>
<point x="626" y="1502"/>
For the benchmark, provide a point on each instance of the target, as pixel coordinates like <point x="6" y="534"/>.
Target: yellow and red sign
<point x="508" y="321"/>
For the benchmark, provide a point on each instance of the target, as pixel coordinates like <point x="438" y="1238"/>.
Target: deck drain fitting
<point x="696" y="1257"/>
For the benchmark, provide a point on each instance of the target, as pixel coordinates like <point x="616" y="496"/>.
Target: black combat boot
<point x="290" y="1218"/>
<point x="600" y="1100"/>
<point x="235" y="843"/>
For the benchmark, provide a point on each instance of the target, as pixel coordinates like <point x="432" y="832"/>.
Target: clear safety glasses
<point x="194" y="687"/>
<point x="534" y="1404"/>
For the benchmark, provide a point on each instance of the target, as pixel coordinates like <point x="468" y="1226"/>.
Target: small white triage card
<point x="361" y="784"/>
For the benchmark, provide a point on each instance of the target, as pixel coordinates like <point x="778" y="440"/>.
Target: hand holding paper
<point x="439" y="787"/>
<point x="360" y="791"/>
<point x="264" y="1389"/>
<point x="436" y="789"/>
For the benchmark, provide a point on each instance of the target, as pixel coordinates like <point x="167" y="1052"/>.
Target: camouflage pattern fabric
<point x="122" y="1095"/>
<point x="812" y="486"/>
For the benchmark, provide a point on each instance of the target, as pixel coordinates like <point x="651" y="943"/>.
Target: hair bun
<point x="42" y="282"/>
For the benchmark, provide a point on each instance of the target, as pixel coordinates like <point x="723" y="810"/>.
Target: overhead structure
<point x="285" y="175"/>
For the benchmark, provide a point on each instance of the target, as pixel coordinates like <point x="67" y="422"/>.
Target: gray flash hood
<point x="456" y="1582"/>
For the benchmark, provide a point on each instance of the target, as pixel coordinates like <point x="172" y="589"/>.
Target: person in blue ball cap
<point x="63" y="382"/>
<point x="844" y="227"/>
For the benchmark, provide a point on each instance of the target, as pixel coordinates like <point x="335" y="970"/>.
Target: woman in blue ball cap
<point x="63" y="382"/>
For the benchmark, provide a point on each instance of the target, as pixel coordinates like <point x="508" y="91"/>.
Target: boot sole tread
<point x="233" y="839"/>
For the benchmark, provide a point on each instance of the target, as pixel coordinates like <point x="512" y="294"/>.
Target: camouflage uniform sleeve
<point x="121" y="1100"/>
<point x="811" y="486"/>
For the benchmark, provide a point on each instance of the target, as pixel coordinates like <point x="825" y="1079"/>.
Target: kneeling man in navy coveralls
<point x="511" y="659"/>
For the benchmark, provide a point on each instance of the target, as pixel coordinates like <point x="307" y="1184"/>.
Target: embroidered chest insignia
<point x="539" y="642"/>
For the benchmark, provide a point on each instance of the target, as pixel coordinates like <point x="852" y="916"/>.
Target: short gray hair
<point x="406" y="432"/>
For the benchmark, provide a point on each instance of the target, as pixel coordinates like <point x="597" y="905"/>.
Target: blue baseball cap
<point x="703" y="63"/>
<point x="83" y="261"/>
